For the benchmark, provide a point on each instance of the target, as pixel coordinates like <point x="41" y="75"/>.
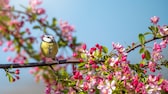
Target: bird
<point x="49" y="46"/>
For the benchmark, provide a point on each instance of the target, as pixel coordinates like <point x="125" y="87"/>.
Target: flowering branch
<point x="152" y="39"/>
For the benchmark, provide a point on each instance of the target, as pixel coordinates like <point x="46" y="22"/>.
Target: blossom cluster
<point x="66" y="30"/>
<point x="114" y="74"/>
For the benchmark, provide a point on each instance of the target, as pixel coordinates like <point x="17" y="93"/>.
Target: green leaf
<point x="33" y="17"/>
<point x="36" y="27"/>
<point x="4" y="18"/>
<point x="82" y="92"/>
<point x="152" y="28"/>
<point x="80" y="65"/>
<point x="105" y="49"/>
<point x="97" y="53"/>
<point x="22" y="33"/>
<point x="62" y="43"/>
<point x="9" y="77"/>
<point x="147" y="55"/>
<point x="36" y="57"/>
<point x="143" y="62"/>
<point x="160" y="81"/>
<point x="142" y="50"/>
<point x="83" y="55"/>
<point x="18" y="48"/>
<point x="148" y="33"/>
<point x="142" y="38"/>
<point x="54" y="22"/>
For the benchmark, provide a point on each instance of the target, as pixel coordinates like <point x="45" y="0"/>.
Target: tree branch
<point x="37" y="64"/>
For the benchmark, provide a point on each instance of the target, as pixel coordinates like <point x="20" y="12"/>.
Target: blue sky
<point x="96" y="21"/>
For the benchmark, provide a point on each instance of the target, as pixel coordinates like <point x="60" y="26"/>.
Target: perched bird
<point x="49" y="46"/>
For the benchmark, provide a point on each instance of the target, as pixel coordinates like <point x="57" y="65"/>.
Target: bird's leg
<point x="44" y="60"/>
<point x="55" y="59"/>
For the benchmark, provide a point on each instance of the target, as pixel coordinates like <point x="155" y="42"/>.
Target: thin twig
<point x="147" y="41"/>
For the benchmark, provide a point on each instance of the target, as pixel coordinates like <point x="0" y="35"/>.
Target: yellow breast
<point x="49" y="49"/>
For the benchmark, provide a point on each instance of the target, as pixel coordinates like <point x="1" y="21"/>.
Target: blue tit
<point x="49" y="46"/>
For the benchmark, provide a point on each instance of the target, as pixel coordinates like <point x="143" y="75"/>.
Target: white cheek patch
<point x="47" y="39"/>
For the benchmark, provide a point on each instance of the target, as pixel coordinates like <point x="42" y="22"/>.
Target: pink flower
<point x="5" y="49"/>
<point x="143" y="56"/>
<point x="78" y="75"/>
<point x="9" y="43"/>
<point x="48" y="89"/>
<point x="28" y="31"/>
<point x="84" y="46"/>
<point x="164" y="85"/>
<point x="106" y="87"/>
<point x="12" y="48"/>
<point x="4" y="3"/>
<point x="85" y="86"/>
<point x="9" y="59"/>
<point x="34" y="70"/>
<point x="1" y="42"/>
<point x="163" y="43"/>
<point x="92" y="50"/>
<point x="40" y="11"/>
<point x="67" y="30"/>
<point x="163" y="30"/>
<point x="157" y="47"/>
<point x="34" y="3"/>
<point x="156" y="54"/>
<point x="152" y="66"/>
<point x="88" y="77"/>
<point x="154" y="19"/>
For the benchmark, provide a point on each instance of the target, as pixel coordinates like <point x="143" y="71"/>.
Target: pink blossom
<point x="75" y="54"/>
<point x="85" y="86"/>
<point x="154" y="19"/>
<point x="43" y="19"/>
<point x="84" y="46"/>
<point x="34" y="70"/>
<point x="21" y="62"/>
<point x="67" y="30"/>
<point x="28" y="31"/>
<point x="107" y="87"/>
<point x="114" y="61"/>
<point x="164" y="85"/>
<point x="78" y="75"/>
<point x="48" y="89"/>
<point x="135" y="81"/>
<point x="9" y="43"/>
<point x="9" y="58"/>
<point x="40" y="11"/>
<point x="143" y="56"/>
<point x="92" y="50"/>
<point x="124" y="58"/>
<point x="1" y="42"/>
<point x="5" y="49"/>
<point x="12" y="48"/>
<point x="163" y="30"/>
<point x="163" y="43"/>
<point x="88" y="77"/>
<point x="157" y="47"/>
<point x="156" y="54"/>
<point x="35" y="3"/>
<point x="152" y="66"/>
<point x="4" y="3"/>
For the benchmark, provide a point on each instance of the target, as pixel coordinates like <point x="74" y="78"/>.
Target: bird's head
<point x="48" y="38"/>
